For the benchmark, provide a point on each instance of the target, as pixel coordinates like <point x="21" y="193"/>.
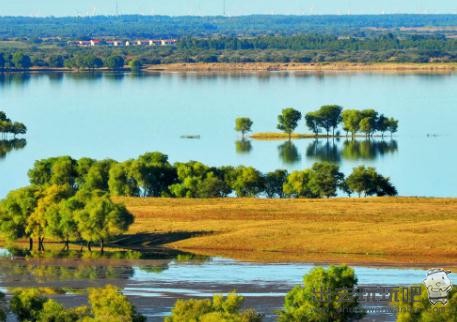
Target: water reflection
<point x="7" y="146"/>
<point x="288" y="153"/>
<point x="243" y="146"/>
<point x="329" y="150"/>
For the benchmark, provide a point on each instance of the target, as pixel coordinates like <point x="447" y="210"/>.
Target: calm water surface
<point x="123" y="116"/>
<point x="155" y="284"/>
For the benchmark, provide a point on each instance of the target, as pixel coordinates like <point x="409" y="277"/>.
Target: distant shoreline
<point x="267" y="67"/>
<point x="304" y="67"/>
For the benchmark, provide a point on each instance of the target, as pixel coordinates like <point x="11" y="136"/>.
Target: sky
<point x="216" y="7"/>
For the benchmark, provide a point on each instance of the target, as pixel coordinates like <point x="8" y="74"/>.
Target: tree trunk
<point x="41" y="244"/>
<point x="89" y="248"/>
<point x="30" y="244"/>
<point x="102" y="246"/>
<point x="67" y="245"/>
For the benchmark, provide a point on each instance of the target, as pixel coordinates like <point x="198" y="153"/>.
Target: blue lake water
<point x="123" y="116"/>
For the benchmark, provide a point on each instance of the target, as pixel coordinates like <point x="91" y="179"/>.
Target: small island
<point x="324" y="122"/>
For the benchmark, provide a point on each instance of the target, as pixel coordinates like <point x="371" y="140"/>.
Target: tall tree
<point x="274" y="182"/>
<point x="329" y="117"/>
<point x="288" y="120"/>
<point x="312" y="122"/>
<point x="243" y="125"/>
<point x="325" y="179"/>
<point x="319" y="298"/>
<point x="351" y="121"/>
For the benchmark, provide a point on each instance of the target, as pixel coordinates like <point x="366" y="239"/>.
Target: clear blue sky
<point x="215" y="7"/>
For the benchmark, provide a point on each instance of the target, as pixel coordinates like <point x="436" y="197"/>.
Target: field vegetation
<point x="388" y="231"/>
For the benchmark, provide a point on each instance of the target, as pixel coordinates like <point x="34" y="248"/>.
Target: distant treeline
<point x="164" y="26"/>
<point x="304" y="48"/>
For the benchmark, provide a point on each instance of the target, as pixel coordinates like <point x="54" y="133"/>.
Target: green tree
<point x="98" y="176"/>
<point x="382" y="124"/>
<point x="109" y="304"/>
<point x="154" y="174"/>
<point x="351" y="121"/>
<point x="56" y="61"/>
<point x="121" y="182"/>
<point x="392" y="126"/>
<point x="27" y="304"/>
<point x="312" y="120"/>
<point x="305" y="303"/>
<point x="325" y="179"/>
<point x="367" y="181"/>
<point x="243" y="125"/>
<point x="274" y="182"/>
<point x="421" y="310"/>
<point x="101" y="219"/>
<point x="115" y="62"/>
<point x="329" y="117"/>
<point x="18" y="128"/>
<point x="248" y="182"/>
<point x="297" y="185"/>
<point x="15" y="211"/>
<point x="135" y="65"/>
<point x="368" y="126"/>
<point x="21" y="61"/>
<point x="288" y="120"/>
<point x="219" y="309"/>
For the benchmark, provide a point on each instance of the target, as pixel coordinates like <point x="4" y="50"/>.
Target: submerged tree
<point x="243" y="125"/>
<point x="288" y="120"/>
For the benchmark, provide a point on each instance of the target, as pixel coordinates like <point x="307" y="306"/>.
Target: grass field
<point x="388" y="231"/>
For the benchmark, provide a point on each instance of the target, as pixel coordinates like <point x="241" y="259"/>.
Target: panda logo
<point x="438" y="286"/>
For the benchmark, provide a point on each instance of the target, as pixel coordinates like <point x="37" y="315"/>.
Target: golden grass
<point x="306" y="67"/>
<point x="390" y="231"/>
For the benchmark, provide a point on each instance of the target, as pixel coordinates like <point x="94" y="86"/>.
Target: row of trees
<point x="327" y="119"/>
<point x="152" y="175"/>
<point x="105" y="304"/>
<point x="86" y="60"/>
<point x="9" y="127"/>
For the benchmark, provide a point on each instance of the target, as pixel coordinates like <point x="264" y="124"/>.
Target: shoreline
<point x="304" y="67"/>
<point x="337" y="67"/>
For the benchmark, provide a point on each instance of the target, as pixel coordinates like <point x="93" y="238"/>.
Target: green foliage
<point x="421" y="310"/>
<point x="15" y="210"/>
<point x="351" y="121"/>
<point x="105" y="304"/>
<point x="304" y="303"/>
<point x="108" y="304"/>
<point x="297" y="185"/>
<point x="135" y="65"/>
<point x="196" y="180"/>
<point x="328" y="117"/>
<point x="248" y="182"/>
<point x="219" y="309"/>
<point x="21" y="61"/>
<point x="7" y="126"/>
<point x="115" y="62"/>
<point x="274" y="182"/>
<point x="243" y="125"/>
<point x="325" y="179"/>
<point x="27" y="304"/>
<point x="102" y="219"/>
<point x="288" y="120"/>
<point x="367" y="181"/>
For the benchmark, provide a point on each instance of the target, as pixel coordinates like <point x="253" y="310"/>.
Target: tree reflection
<point x="324" y="151"/>
<point x="350" y="150"/>
<point x="6" y="146"/>
<point x="288" y="153"/>
<point x="368" y="149"/>
<point x="243" y="146"/>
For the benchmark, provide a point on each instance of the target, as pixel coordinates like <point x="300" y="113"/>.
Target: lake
<point x="155" y="284"/>
<point x="121" y="116"/>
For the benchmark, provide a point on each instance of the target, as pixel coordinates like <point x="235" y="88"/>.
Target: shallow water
<point x="121" y="116"/>
<point x="155" y="284"/>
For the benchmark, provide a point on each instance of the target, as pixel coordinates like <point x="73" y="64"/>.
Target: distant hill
<point x="164" y="26"/>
